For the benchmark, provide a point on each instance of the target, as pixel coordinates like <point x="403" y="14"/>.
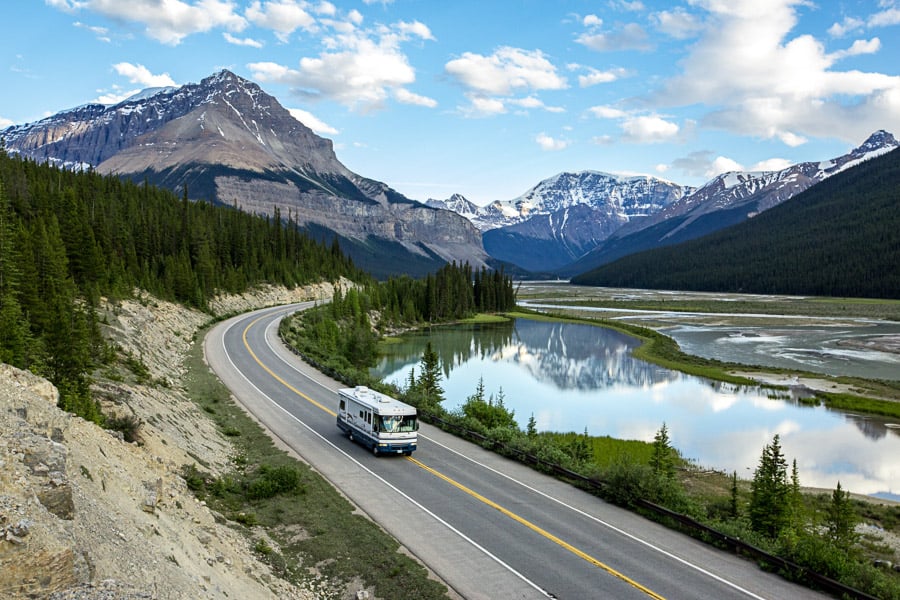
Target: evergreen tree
<point x="662" y="458"/>
<point x="429" y="382"/>
<point x="770" y="492"/>
<point x="841" y="520"/>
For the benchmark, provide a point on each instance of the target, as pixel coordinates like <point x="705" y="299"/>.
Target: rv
<point x="377" y="421"/>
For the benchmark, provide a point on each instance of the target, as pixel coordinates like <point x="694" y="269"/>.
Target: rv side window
<point x="343" y="405"/>
<point x="362" y="415"/>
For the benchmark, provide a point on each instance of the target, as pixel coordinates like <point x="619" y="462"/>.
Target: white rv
<point x="379" y="422"/>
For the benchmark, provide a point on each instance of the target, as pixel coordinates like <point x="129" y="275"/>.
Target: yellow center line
<point x="276" y="377"/>
<point x="469" y="491"/>
<point x="538" y="530"/>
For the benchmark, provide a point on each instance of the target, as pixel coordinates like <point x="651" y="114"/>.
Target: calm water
<point x="572" y="377"/>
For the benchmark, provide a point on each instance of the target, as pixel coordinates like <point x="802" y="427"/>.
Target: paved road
<point x="489" y="527"/>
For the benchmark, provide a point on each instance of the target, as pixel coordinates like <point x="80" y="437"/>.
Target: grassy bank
<point x="297" y="521"/>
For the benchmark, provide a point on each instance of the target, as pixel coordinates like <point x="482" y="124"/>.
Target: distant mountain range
<point x="840" y="237"/>
<point x="574" y="222"/>
<point x="226" y="140"/>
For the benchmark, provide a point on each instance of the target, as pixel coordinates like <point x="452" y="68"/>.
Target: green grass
<point x="311" y="525"/>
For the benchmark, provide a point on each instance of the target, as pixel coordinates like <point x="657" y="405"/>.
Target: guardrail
<point x="693" y="527"/>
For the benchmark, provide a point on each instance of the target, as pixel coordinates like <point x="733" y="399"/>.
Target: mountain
<point x="726" y="200"/>
<point x="226" y="140"/>
<point x="840" y="237"/>
<point x="562" y="217"/>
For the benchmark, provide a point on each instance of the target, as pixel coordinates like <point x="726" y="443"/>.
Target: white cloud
<point x="4" y="123"/>
<point x="702" y="164"/>
<point x="759" y="80"/>
<point x="241" y="41"/>
<point x="549" y="143"/>
<point x="630" y="36"/>
<point x="723" y="164"/>
<point x="313" y="122"/>
<point x="608" y="112"/>
<point x="649" y="129"/>
<point x="595" y="77"/>
<point x="114" y="96"/>
<point x="168" y="22"/>
<point x="848" y="25"/>
<point x="404" y="96"/>
<point x="889" y="16"/>
<point x="677" y="23"/>
<point x="481" y="106"/>
<point x="791" y="139"/>
<point x="505" y="71"/>
<point x="772" y="164"/>
<point x="141" y="75"/>
<point x="102" y="33"/>
<point x="415" y="28"/>
<point x="283" y="17"/>
<point x="360" y="69"/>
<point x="859" y="47"/>
<point x="592" y="21"/>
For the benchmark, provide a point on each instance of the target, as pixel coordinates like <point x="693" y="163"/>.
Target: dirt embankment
<point x="84" y="514"/>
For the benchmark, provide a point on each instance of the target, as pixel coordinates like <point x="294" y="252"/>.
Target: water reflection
<point x="573" y="377"/>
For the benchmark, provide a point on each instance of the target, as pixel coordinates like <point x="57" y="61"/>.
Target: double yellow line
<point x="461" y="487"/>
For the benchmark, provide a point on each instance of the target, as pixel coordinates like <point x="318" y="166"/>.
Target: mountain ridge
<point x="224" y="139"/>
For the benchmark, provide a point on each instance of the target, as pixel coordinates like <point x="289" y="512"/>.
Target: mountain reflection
<point x="578" y="357"/>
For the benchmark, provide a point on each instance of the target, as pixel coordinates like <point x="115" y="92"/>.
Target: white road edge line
<point x="378" y="477"/>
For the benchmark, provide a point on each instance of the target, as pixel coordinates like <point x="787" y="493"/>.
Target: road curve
<point x="489" y="527"/>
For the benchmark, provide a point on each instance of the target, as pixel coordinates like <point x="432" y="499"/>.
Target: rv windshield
<point x="398" y="423"/>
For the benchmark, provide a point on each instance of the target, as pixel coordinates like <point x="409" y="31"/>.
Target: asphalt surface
<point x="487" y="526"/>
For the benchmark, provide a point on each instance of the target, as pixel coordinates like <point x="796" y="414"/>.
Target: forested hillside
<point x="67" y="238"/>
<point x="839" y="238"/>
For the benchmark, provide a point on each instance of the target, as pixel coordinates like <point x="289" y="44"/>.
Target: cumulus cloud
<point x="859" y="47"/>
<point x="772" y="164"/>
<point x="549" y="143"/>
<point x="640" y="127"/>
<point x="167" y="22"/>
<point x="505" y="71"/>
<point x="649" y="129"/>
<point x="4" y="123"/>
<point x="359" y="69"/>
<point x="703" y="163"/>
<point x="313" y="122"/>
<point x="759" y="80"/>
<point x="141" y="75"/>
<point x="283" y="17"/>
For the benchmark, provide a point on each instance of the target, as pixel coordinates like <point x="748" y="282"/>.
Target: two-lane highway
<point x="489" y="527"/>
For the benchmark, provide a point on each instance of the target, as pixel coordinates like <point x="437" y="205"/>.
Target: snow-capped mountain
<point x="563" y="217"/>
<point x="726" y="200"/>
<point x="225" y="139"/>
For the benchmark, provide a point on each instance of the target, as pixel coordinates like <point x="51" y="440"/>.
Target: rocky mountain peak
<point x="880" y="140"/>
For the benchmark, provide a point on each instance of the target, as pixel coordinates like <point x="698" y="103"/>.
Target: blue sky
<point x="488" y="97"/>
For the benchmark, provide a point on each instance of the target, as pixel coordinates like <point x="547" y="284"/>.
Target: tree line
<point x="69" y="238"/>
<point x="343" y="335"/>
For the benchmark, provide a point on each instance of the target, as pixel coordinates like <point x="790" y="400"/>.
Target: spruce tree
<point x="770" y="492"/>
